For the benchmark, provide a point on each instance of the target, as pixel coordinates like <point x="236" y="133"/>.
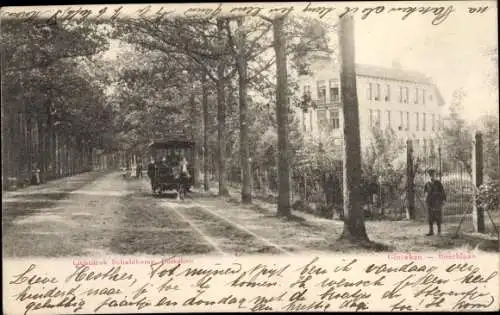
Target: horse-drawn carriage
<point x="171" y="168"/>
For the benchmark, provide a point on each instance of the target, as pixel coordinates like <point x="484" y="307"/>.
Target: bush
<point x="488" y="197"/>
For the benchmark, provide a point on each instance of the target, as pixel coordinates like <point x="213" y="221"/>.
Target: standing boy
<point x="434" y="199"/>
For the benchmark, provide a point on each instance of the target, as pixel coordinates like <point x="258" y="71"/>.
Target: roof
<point x="398" y="74"/>
<point x="392" y="73"/>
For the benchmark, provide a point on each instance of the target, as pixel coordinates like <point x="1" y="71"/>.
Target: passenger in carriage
<point x="183" y="165"/>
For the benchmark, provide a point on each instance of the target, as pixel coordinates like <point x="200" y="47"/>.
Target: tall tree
<point x="204" y="103"/>
<point x="284" y="208"/>
<point x="238" y="47"/>
<point x="201" y="42"/>
<point x="47" y="81"/>
<point x="457" y="133"/>
<point x="354" y="226"/>
<point x="489" y="127"/>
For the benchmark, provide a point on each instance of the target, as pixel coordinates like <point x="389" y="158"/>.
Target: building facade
<point x="405" y="101"/>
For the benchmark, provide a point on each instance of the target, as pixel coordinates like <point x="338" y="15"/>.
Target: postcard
<point x="250" y="157"/>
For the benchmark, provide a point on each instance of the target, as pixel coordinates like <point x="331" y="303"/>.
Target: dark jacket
<point x="151" y="169"/>
<point x="435" y="193"/>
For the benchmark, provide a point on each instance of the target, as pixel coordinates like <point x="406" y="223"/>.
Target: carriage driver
<point x="151" y="172"/>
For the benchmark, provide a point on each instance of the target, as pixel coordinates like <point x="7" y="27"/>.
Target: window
<point x="406" y="96"/>
<point x="321" y="119"/>
<point x="425" y="146"/>
<point x="307" y="90"/>
<point x="388" y="112"/>
<point x="321" y="92"/>
<point x="334" y="91"/>
<point x="407" y="120"/>
<point x="369" y="92"/>
<point x="401" y="94"/>
<point x="440" y="122"/>
<point x="371" y="118"/>
<point x="334" y="119"/>
<point x="304" y="125"/>
<point x="401" y="120"/>
<point x="387" y="93"/>
<point x="423" y="97"/>
<point x="379" y="122"/>
<point x="310" y="121"/>
<point x="424" y="118"/>
<point x="433" y="122"/>
<point x="416" y="95"/>
<point x="430" y="97"/>
<point x="377" y="92"/>
<point x="417" y="122"/>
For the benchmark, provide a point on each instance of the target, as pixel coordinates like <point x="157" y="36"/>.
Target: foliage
<point x="489" y="127"/>
<point x="169" y="46"/>
<point x="489" y="195"/>
<point x="456" y="134"/>
<point x="30" y="44"/>
<point x="53" y="70"/>
<point x="151" y="97"/>
<point x="385" y="156"/>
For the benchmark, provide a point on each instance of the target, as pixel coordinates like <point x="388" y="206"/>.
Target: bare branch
<point x="264" y="68"/>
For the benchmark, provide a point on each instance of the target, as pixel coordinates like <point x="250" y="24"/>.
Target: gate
<point x="455" y="175"/>
<point x="460" y="179"/>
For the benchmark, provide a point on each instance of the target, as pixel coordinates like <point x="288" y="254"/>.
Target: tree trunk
<point x="284" y="208"/>
<point x="221" y="121"/>
<point x="354" y="226"/>
<point x="246" y="189"/>
<point x="205" y="133"/>
<point x="195" y="136"/>
<point x="221" y="143"/>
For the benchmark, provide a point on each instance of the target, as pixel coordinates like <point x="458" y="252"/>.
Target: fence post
<point x="410" y="179"/>
<point x="477" y="178"/>
<point x="440" y="164"/>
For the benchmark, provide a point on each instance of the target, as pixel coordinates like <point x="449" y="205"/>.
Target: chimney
<point x="396" y="64"/>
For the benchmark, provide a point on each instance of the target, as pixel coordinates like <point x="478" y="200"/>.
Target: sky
<point x="451" y="53"/>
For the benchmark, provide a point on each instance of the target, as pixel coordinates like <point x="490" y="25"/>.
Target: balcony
<point x="328" y="103"/>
